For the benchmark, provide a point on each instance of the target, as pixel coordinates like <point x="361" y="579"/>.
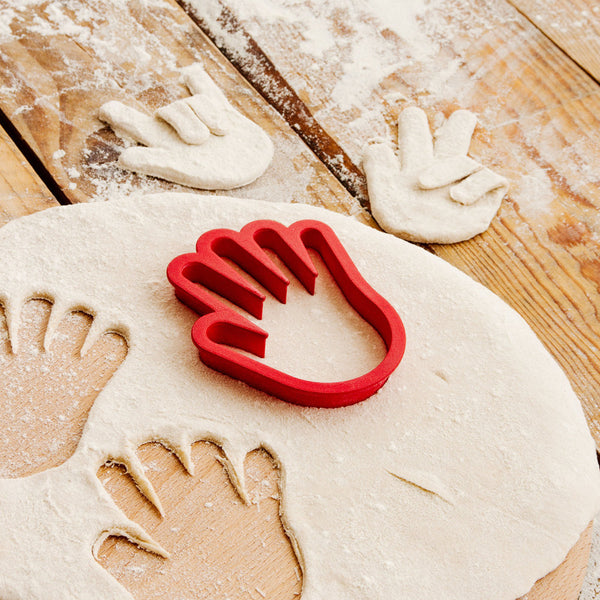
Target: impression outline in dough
<point x="432" y="192"/>
<point x="200" y="141"/>
<point x="396" y="496"/>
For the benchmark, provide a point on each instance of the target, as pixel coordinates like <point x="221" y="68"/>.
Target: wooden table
<point x="530" y="70"/>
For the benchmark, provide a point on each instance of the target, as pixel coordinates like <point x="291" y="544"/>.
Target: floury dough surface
<point x="469" y="475"/>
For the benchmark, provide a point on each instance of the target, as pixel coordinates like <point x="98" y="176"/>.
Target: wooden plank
<point x="47" y="395"/>
<point x="22" y="192"/>
<point x="573" y="25"/>
<point x="59" y="64"/>
<point x="539" y="125"/>
<point x="564" y="583"/>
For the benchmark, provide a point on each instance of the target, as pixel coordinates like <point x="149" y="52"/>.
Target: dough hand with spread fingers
<point x="432" y="192"/>
<point x="200" y="141"/>
<point x="469" y="475"/>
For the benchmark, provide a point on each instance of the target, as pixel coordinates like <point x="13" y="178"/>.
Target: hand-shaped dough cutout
<point x="200" y="141"/>
<point x="219" y="545"/>
<point x="433" y="192"/>
<point x="47" y="389"/>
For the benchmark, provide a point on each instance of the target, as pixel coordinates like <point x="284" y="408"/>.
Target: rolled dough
<point x="469" y="475"/>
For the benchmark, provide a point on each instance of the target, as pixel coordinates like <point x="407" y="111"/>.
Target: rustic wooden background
<point x="529" y="68"/>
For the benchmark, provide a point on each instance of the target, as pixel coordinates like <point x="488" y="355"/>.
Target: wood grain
<point x="22" y="192"/>
<point x="564" y="583"/>
<point x="47" y="395"/>
<point x="539" y="126"/>
<point x="573" y="25"/>
<point x="219" y="546"/>
<point x="78" y="56"/>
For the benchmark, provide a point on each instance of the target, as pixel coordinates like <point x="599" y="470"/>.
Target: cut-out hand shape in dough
<point x="220" y="545"/>
<point x="48" y="385"/>
<point x="200" y="141"/>
<point x="433" y="192"/>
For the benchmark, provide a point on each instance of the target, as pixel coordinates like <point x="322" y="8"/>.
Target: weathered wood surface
<point x="46" y="395"/>
<point x="219" y="546"/>
<point x="539" y="126"/>
<point x="541" y="253"/>
<point x="573" y="25"/>
<point x="564" y="583"/>
<point x="59" y="64"/>
<point x="22" y="192"/>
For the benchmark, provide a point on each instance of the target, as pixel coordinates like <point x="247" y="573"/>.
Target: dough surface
<point x="469" y="475"/>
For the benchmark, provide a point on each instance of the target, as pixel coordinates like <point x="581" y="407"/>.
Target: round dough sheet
<point x="469" y="475"/>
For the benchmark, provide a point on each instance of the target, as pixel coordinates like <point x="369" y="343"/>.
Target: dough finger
<point x="381" y="168"/>
<point x="477" y="185"/>
<point x="198" y="81"/>
<point x="184" y="120"/>
<point x="414" y="139"/>
<point x="447" y="171"/>
<point x="129" y="122"/>
<point x="210" y="110"/>
<point x="454" y="136"/>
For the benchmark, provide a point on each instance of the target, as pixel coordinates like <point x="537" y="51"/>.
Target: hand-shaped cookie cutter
<point x="220" y="327"/>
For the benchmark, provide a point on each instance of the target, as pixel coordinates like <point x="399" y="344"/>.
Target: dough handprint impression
<point x="220" y="546"/>
<point x="433" y="192"/>
<point x="48" y="385"/>
<point x="200" y="141"/>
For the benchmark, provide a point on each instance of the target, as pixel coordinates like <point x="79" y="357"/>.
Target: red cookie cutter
<point x="220" y="327"/>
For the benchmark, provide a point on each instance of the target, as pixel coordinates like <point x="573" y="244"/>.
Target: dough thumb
<point x="381" y="167"/>
<point x="446" y="171"/>
<point x="199" y="82"/>
<point x="158" y="162"/>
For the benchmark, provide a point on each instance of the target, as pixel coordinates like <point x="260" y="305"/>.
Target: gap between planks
<point x="21" y="190"/>
<point x="263" y="75"/>
<point x="36" y="165"/>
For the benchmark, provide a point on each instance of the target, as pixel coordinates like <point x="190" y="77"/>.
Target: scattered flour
<point x="534" y="194"/>
<point x="353" y="62"/>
